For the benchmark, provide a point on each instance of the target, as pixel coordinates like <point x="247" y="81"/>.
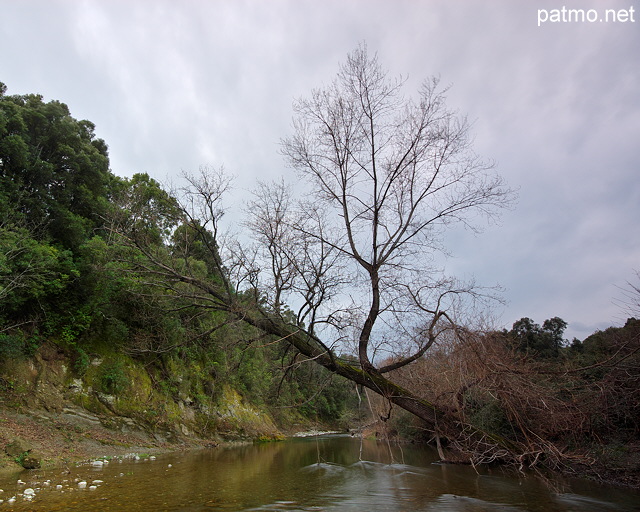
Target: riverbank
<point x="49" y="415"/>
<point x="74" y="436"/>
<point x="326" y="473"/>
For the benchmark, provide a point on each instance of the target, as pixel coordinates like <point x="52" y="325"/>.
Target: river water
<point x="331" y="473"/>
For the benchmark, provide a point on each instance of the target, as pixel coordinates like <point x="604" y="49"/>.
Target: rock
<point x="106" y="399"/>
<point x="31" y="462"/>
<point x="77" y="413"/>
<point x="29" y="492"/>
<point x="17" y="448"/>
<point x="76" y="385"/>
<point x="82" y="485"/>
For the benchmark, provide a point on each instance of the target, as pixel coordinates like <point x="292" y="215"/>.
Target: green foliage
<point x="19" y="344"/>
<point x="19" y="459"/>
<point x="611" y="359"/>
<point x="144" y="207"/>
<point x="31" y="272"/>
<point x="490" y="417"/>
<point x="65" y="278"/>
<point x="80" y="361"/>
<point x="113" y="377"/>
<point x="11" y="346"/>
<point x="192" y="243"/>
<point x="53" y="170"/>
<point x="544" y="342"/>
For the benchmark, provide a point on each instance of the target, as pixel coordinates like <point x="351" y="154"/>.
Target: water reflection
<point x="321" y="474"/>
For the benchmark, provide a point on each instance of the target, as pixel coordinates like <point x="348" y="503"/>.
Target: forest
<point x="113" y="272"/>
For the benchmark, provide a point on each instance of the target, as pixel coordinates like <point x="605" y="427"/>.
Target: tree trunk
<point x="371" y="379"/>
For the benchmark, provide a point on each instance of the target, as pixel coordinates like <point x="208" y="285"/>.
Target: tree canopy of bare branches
<point x="347" y="259"/>
<point x="389" y="174"/>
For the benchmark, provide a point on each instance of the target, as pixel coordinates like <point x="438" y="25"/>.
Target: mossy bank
<point x="59" y="413"/>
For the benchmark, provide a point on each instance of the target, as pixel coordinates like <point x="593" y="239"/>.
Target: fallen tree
<point x="351" y="267"/>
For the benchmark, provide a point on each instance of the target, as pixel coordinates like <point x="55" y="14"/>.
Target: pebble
<point x="82" y="485"/>
<point x="58" y="487"/>
<point x="93" y="487"/>
<point x="97" y="482"/>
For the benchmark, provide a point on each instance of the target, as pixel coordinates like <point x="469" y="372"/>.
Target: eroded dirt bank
<point x="74" y="436"/>
<point x="50" y="413"/>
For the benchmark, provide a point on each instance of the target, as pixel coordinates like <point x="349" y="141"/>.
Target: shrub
<point x="113" y="379"/>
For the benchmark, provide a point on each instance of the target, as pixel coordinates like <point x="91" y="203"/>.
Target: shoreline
<point x="77" y="438"/>
<point x="61" y="440"/>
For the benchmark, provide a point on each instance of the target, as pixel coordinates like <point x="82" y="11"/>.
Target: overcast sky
<point x="175" y="85"/>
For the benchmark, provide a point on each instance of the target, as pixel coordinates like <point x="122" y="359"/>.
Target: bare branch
<point x="390" y="174"/>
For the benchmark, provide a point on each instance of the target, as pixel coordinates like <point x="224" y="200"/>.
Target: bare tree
<point x="390" y="173"/>
<point x="384" y="177"/>
<point x="298" y="267"/>
<point x="276" y="242"/>
<point x="629" y="303"/>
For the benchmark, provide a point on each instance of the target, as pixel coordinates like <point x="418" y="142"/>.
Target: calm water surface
<point x="316" y="474"/>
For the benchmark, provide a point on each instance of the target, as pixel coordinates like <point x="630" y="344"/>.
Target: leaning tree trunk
<point x="443" y="422"/>
<point x="477" y="445"/>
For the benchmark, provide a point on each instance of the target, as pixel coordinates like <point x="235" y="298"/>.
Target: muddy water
<point x="318" y="474"/>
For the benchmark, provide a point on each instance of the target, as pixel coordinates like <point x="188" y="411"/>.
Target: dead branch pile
<point x="551" y="412"/>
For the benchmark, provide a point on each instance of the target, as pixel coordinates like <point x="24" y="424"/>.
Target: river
<point x="330" y="473"/>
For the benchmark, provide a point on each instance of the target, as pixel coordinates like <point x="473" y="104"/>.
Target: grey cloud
<point x="172" y="86"/>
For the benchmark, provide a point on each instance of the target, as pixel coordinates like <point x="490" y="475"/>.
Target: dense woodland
<point x="96" y="263"/>
<point x="64" y="279"/>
